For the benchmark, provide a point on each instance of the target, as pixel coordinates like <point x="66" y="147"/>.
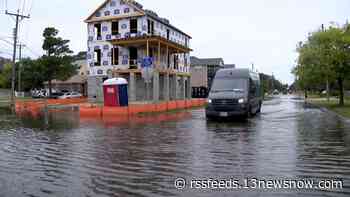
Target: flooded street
<point x="72" y="157"/>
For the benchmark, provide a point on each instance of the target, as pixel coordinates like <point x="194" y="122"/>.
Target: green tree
<point x="32" y="74"/>
<point x="57" y="63"/>
<point x="323" y="58"/>
<point x="5" y="76"/>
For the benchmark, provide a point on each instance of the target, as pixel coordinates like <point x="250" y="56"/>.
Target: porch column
<point x="183" y="88"/>
<point x="132" y="87"/>
<point x="158" y="54"/>
<point x="156" y="86"/>
<point x="189" y="88"/>
<point x="176" y="85"/>
<point x="147" y="49"/>
<point x="166" y="87"/>
<point x="167" y="57"/>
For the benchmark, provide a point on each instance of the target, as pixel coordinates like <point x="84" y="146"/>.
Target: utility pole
<point x="15" y="32"/>
<point x="20" y="67"/>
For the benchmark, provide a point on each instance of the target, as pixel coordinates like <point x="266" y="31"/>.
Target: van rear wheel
<point x="259" y="109"/>
<point x="249" y="112"/>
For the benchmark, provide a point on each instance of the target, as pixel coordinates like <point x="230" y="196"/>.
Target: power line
<point x="2" y="36"/>
<point x="5" y="47"/>
<point x="2" y="52"/>
<point x="7" y="42"/>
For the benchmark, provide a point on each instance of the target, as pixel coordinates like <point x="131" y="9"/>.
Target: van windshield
<point x="229" y="84"/>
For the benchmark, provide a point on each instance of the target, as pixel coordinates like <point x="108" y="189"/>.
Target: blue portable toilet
<point x="123" y="93"/>
<point x="116" y="92"/>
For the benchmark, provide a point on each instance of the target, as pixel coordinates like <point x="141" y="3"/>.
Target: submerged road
<point x="72" y="157"/>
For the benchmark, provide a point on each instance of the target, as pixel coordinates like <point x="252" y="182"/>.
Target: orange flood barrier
<point x="87" y="110"/>
<point x="93" y="111"/>
<point x="51" y="102"/>
<point x="35" y="106"/>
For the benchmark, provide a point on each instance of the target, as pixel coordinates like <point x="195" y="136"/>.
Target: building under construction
<point x="121" y="34"/>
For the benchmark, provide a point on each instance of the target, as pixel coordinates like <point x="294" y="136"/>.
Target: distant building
<point x="202" y="74"/>
<point x="230" y="66"/>
<point x="78" y="82"/>
<point x="121" y="35"/>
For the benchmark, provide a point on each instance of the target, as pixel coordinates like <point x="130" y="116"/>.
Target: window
<point x="168" y="60"/>
<point x="133" y="55"/>
<point x="133" y="25"/>
<point x="252" y="88"/>
<point x="167" y="34"/>
<point x="97" y="57"/>
<point x="231" y="84"/>
<point x="113" y="4"/>
<point x="150" y="52"/>
<point x="98" y="31"/>
<point x="115" y="28"/>
<point x="115" y="56"/>
<point x="176" y="62"/>
<point x="150" y="25"/>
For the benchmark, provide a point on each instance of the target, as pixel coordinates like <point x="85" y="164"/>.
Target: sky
<point x="242" y="32"/>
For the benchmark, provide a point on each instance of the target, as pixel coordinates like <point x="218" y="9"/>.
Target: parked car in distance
<point x="75" y="95"/>
<point x="234" y="92"/>
<point x="69" y="95"/>
<point x="275" y="92"/>
<point x="56" y="95"/>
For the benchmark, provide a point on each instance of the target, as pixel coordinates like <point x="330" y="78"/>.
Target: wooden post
<point x="147" y="49"/>
<point x="113" y="56"/>
<point x="167" y="57"/>
<point x="177" y="60"/>
<point x="159" y="54"/>
<point x="147" y="85"/>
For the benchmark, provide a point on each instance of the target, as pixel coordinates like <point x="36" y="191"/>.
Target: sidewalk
<point x="332" y="105"/>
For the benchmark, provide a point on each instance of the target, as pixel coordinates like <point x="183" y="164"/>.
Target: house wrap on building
<point x="120" y="35"/>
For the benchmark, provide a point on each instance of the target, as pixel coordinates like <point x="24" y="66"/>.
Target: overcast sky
<point x="263" y="32"/>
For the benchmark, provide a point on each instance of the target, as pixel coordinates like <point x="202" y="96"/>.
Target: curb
<point x="326" y="110"/>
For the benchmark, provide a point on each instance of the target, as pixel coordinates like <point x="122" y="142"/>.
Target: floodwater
<point x="143" y="156"/>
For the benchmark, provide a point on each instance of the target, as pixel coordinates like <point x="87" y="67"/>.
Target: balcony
<point x="147" y="40"/>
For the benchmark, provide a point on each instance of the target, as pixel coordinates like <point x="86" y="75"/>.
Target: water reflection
<point x="142" y="155"/>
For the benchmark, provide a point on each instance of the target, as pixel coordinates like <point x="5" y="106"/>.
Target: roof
<point x="233" y="72"/>
<point x="76" y="79"/>
<point x="237" y="73"/>
<point x="206" y="61"/>
<point x="115" y="81"/>
<point x="129" y="2"/>
<point x="143" y="12"/>
<point x="161" y="20"/>
<point x="230" y="66"/>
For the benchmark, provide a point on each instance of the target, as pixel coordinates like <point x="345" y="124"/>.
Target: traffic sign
<point x="147" y="69"/>
<point x="147" y="62"/>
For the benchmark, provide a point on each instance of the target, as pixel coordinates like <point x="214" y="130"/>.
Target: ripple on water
<point x="286" y="140"/>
